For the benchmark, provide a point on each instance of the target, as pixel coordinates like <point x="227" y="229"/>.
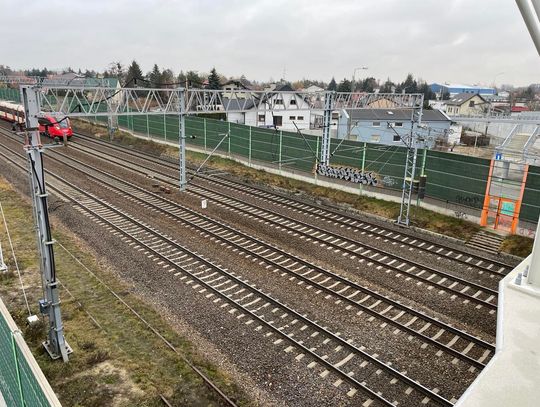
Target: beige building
<point x="466" y="104"/>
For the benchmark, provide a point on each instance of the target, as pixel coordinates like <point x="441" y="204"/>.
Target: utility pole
<point x="56" y="344"/>
<point x="327" y="116"/>
<point x="411" y="144"/>
<point x="182" y="140"/>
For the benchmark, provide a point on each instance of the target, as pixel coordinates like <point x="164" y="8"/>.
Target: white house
<point x="279" y="111"/>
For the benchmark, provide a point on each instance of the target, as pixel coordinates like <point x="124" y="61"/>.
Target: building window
<point x="398" y="124"/>
<point x="278" y="101"/>
<point x="376" y="124"/>
<point x="278" y="121"/>
<point x="396" y="137"/>
<point x="300" y="117"/>
<point x="292" y="117"/>
<point x="261" y="117"/>
<point x="335" y="116"/>
<point x="293" y="102"/>
<point x="471" y="103"/>
<point x="375" y="138"/>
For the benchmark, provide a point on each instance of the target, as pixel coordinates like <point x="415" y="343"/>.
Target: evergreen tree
<point x="369" y="84"/>
<point x="344" y="86"/>
<point x="181" y="78"/>
<point x="155" y="77"/>
<point x="134" y="76"/>
<point x="213" y="80"/>
<point x="167" y="77"/>
<point x="388" y="86"/>
<point x="410" y="85"/>
<point x="194" y="80"/>
<point x="332" y="85"/>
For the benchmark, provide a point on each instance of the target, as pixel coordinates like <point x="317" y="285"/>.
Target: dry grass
<point x="118" y="363"/>
<point x="517" y="245"/>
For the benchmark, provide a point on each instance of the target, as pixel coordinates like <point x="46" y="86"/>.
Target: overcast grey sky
<point x="466" y="41"/>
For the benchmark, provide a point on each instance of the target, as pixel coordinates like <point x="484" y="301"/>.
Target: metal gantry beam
<point x="83" y="101"/>
<point x="77" y="101"/>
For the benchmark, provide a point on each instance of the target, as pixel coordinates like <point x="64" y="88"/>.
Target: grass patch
<point x="420" y="217"/>
<point x="116" y="361"/>
<point x="517" y="245"/>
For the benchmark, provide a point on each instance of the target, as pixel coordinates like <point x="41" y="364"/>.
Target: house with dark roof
<point x="466" y="104"/>
<point x="282" y="111"/>
<point x="392" y="126"/>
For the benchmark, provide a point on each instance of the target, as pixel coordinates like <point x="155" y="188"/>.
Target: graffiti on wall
<point x="474" y="201"/>
<point x="348" y="174"/>
<point x="389" y="181"/>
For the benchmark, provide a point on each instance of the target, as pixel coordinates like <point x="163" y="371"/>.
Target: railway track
<point x="337" y="359"/>
<point x="428" y="330"/>
<point x="335" y="217"/>
<point x="456" y="287"/>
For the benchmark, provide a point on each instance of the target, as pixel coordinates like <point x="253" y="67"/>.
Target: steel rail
<point x="273" y="195"/>
<point x="300" y="276"/>
<point x="390" y="370"/>
<point x="493" y="293"/>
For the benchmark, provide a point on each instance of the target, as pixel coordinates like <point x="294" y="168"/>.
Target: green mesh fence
<point x="10" y="94"/>
<point x="22" y="383"/>
<point x="456" y="178"/>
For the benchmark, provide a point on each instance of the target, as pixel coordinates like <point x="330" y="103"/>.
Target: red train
<point x="48" y="125"/>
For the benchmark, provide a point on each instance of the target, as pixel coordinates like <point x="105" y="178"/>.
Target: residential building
<point x="466" y="104"/>
<point x="391" y="126"/>
<point x="454" y="89"/>
<point x="283" y="111"/>
<point x="314" y="88"/>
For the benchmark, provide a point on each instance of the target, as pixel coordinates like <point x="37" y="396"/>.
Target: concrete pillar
<point x="534" y="266"/>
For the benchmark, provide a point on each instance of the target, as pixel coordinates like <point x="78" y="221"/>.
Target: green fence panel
<point x="10" y="94"/>
<point x="530" y="206"/>
<point x="32" y="393"/>
<point x="240" y="139"/>
<point x="265" y="145"/>
<point x="22" y="383"/>
<point x="299" y="152"/>
<point x="457" y="178"/>
<point x="9" y="381"/>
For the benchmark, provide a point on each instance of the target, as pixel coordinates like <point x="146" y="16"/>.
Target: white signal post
<point x="3" y="266"/>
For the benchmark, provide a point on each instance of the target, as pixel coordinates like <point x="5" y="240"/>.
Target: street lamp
<point x="364" y="68"/>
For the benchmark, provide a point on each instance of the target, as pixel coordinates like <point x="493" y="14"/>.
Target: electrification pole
<point x="182" y="140"/>
<point x="411" y="144"/>
<point x="56" y="344"/>
<point x="327" y="115"/>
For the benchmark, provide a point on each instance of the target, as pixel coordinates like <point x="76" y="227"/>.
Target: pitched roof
<point x="428" y="115"/>
<point x="460" y="98"/>
<point x="243" y="83"/>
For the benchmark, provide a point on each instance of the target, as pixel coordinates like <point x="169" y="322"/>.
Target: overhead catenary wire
<point x="15" y="260"/>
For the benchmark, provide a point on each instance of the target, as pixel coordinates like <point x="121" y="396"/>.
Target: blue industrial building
<point x="454" y="89"/>
<point x="391" y="126"/>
